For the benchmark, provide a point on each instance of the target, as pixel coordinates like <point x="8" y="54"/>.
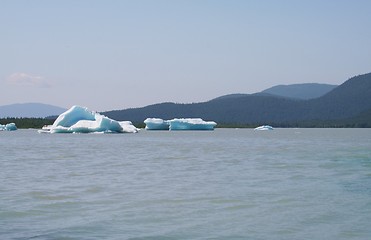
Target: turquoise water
<point x="222" y="184"/>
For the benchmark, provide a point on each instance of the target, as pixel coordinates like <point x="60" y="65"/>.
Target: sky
<point x="118" y="54"/>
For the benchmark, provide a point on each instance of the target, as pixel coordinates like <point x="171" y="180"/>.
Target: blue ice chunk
<point x="11" y="127"/>
<point x="156" y="124"/>
<point x="179" y="124"/>
<point x="191" y="124"/>
<point x="8" y="127"/>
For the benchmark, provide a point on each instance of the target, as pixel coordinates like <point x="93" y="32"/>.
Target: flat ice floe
<point x="81" y="120"/>
<point x="179" y="124"/>
<point x="156" y="124"/>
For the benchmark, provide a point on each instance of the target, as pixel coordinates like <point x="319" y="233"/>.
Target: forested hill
<point x="348" y="100"/>
<point x="344" y="103"/>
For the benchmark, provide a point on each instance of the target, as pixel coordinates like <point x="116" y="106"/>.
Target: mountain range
<point x="347" y="103"/>
<point x="302" y="105"/>
<point x="36" y="110"/>
<point x="30" y="110"/>
<point x="301" y="91"/>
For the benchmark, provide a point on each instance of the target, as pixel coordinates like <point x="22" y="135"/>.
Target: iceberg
<point x="178" y="124"/>
<point x="264" y="128"/>
<point x="81" y="120"/>
<point x="8" y="127"/>
<point x="156" y="124"/>
<point x="191" y="124"/>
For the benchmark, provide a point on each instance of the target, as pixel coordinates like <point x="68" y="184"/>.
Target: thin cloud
<point x="25" y="79"/>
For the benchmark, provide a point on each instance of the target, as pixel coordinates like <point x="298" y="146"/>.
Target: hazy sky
<point x="118" y="54"/>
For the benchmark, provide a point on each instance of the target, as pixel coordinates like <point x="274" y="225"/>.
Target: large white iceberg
<point x="156" y="124"/>
<point x="81" y="120"/>
<point x="179" y="124"/>
<point x="8" y="127"/>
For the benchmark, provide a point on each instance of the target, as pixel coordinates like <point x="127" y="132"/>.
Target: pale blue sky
<point x="119" y="54"/>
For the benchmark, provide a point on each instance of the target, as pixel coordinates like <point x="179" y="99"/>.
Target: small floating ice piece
<point x="191" y="124"/>
<point x="264" y="127"/>
<point x="156" y="124"/>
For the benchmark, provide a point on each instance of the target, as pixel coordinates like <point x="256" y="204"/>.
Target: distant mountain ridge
<point x="32" y="110"/>
<point x="297" y="91"/>
<point x="346" y="101"/>
<point x="301" y="91"/>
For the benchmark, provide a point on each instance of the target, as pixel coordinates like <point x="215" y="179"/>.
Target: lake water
<point x="222" y="184"/>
